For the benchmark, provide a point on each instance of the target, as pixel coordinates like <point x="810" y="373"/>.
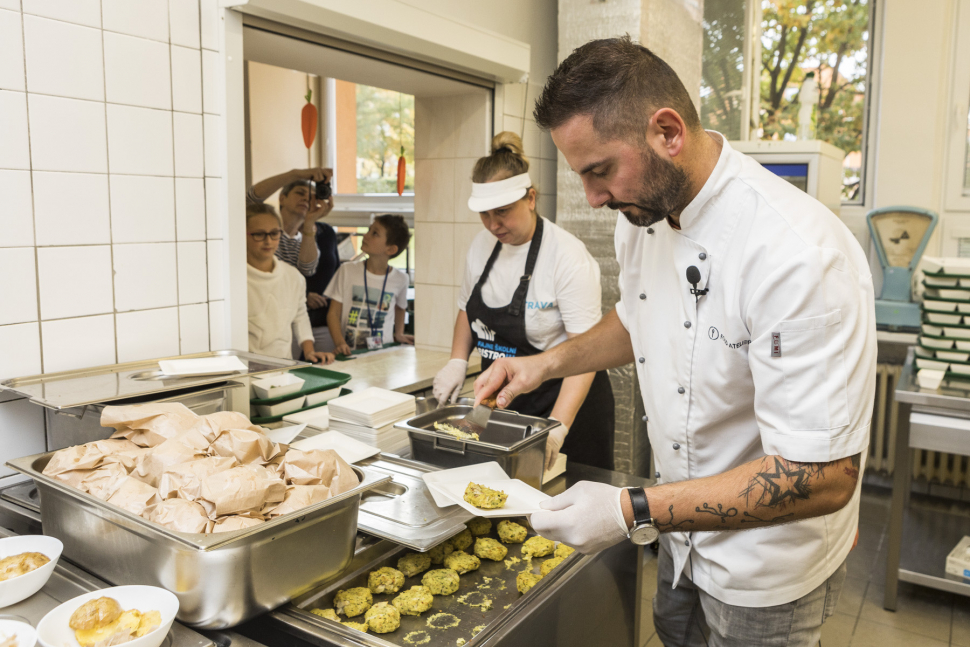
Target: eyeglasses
<point x="260" y="236"/>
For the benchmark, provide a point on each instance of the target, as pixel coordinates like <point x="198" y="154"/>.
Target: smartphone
<point x="323" y="190"/>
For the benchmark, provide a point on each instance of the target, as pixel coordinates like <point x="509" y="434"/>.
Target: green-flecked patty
<point x="353" y="602"/>
<point x="526" y="580"/>
<point x="441" y="581"/>
<point x="462" y="540"/>
<point x="385" y="580"/>
<point x="329" y="614"/>
<point x="550" y="564"/>
<point x="484" y="497"/>
<point x="359" y="626"/>
<point x="488" y="548"/>
<point x="414" y="601"/>
<point x="383" y="618"/>
<point x="461" y="562"/>
<point x="414" y="563"/>
<point x="480" y="526"/>
<point x="538" y="546"/>
<point x="439" y="552"/>
<point x="562" y="550"/>
<point x="511" y="533"/>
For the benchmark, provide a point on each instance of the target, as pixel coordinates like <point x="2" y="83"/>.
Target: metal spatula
<point x="476" y="421"/>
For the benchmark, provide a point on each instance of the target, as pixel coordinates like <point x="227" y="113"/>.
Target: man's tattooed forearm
<point x="781" y="482"/>
<point x="670" y="525"/>
<point x="723" y="514"/>
<point x="750" y="518"/>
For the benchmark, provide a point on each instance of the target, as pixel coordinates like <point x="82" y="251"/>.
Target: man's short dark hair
<point x="396" y="228"/>
<point x="285" y="191"/>
<point x="619" y="83"/>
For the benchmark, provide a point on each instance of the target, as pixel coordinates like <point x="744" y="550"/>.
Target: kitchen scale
<point x="900" y="235"/>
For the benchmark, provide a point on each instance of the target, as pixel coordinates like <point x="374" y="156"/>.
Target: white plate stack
<point x="369" y="416"/>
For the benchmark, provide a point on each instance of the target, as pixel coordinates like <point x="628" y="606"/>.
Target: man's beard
<point x="663" y="191"/>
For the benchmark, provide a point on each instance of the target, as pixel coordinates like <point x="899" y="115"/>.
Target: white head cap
<point x="492" y="195"/>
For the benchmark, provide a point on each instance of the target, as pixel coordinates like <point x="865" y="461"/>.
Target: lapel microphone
<point x="694" y="277"/>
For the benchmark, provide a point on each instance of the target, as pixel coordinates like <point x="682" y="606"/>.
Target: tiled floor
<point x="924" y="617"/>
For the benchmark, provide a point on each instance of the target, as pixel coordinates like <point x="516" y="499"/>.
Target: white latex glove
<point x="448" y="381"/>
<point x="587" y="517"/>
<point x="554" y="441"/>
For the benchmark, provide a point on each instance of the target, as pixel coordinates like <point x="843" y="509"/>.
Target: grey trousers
<point x="679" y="613"/>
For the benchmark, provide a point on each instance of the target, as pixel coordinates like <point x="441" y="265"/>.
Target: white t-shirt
<point x="564" y="293"/>
<point x="347" y="287"/>
<point x="277" y="310"/>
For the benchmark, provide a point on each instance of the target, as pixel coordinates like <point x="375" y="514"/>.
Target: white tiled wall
<point x="110" y="117"/>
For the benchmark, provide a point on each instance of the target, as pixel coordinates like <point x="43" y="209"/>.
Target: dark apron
<point x="500" y="332"/>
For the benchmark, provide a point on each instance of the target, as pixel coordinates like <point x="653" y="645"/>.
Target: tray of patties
<point x="451" y="595"/>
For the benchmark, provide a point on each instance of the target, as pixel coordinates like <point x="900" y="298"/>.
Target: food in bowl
<point x="17" y="565"/>
<point x="484" y="497"/>
<point x="8" y="641"/>
<point x="103" y="623"/>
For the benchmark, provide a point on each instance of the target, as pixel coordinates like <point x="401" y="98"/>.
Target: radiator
<point x="928" y="466"/>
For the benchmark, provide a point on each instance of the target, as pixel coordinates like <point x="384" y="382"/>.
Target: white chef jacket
<point x="778" y="358"/>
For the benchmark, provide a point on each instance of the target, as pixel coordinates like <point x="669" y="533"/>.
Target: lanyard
<point x="370" y="321"/>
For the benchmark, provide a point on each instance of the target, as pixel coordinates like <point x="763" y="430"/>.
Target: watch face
<point x="644" y="534"/>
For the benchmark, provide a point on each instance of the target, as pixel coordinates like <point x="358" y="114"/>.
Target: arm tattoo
<point x="669" y="525"/>
<point x="750" y="518"/>
<point x="724" y="515"/>
<point x="853" y="472"/>
<point x="782" y="483"/>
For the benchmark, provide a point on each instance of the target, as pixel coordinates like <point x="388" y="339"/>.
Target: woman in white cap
<point x="529" y="285"/>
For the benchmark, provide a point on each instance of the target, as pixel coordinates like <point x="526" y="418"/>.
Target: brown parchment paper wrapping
<point x="179" y="515"/>
<point x="319" y="467"/>
<point x="185" y="481"/>
<point x="91" y="455"/>
<point x="236" y="522"/>
<point x="187" y="446"/>
<point x="297" y="497"/>
<point x="104" y="481"/>
<point x="241" y="489"/>
<point x="246" y="446"/>
<point x="148" y="425"/>
<point x="134" y="496"/>
<point x="211" y="425"/>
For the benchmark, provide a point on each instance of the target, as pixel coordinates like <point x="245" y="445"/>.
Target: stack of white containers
<point x="369" y="416"/>
<point x="943" y="352"/>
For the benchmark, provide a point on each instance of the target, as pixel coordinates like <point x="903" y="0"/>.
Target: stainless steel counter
<point x="400" y="368"/>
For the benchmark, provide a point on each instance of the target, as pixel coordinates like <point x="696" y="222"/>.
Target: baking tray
<point x="112" y="382"/>
<point x="220" y="579"/>
<point x="315" y="379"/>
<point x="266" y="420"/>
<point x="494" y="581"/>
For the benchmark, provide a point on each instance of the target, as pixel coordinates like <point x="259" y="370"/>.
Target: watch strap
<point x="641" y="508"/>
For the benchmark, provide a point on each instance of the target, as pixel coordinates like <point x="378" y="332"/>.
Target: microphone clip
<point x="694" y="277"/>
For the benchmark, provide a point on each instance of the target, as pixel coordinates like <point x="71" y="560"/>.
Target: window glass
<point x="723" y="67"/>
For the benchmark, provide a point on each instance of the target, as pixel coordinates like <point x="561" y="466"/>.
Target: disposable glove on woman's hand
<point x="587" y="517"/>
<point x="448" y="381"/>
<point x="554" y="442"/>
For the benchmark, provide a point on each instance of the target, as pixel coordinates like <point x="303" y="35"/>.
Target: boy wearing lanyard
<point x="368" y="322"/>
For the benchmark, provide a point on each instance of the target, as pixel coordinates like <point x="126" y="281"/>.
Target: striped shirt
<point x="289" y="249"/>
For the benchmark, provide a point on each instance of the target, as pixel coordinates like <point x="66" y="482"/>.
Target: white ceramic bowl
<point x="54" y="630"/>
<point x="24" y="586"/>
<point x="26" y="635"/>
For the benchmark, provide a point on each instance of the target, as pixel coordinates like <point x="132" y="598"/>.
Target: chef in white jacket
<point x="747" y="310"/>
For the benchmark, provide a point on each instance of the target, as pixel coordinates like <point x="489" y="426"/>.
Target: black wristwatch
<point x="644" y="528"/>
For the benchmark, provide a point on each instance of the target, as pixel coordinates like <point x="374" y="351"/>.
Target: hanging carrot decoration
<point x="308" y="121"/>
<point x="401" y="172"/>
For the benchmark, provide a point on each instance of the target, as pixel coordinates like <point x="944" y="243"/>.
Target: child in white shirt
<point x="277" y="292"/>
<point x="356" y="322"/>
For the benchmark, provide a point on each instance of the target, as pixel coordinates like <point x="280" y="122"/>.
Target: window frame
<point x="957" y="198"/>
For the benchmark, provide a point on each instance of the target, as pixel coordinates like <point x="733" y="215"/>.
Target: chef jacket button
<point x="649" y="230"/>
<point x="643" y="297"/>
<point x="681" y="390"/>
<point x="645" y="418"/>
<point x="687" y="542"/>
<point x="686" y="324"/>
<point x="676" y="445"/>
<point x="656" y="474"/>
<point x="641" y="360"/>
<point x="702" y="256"/>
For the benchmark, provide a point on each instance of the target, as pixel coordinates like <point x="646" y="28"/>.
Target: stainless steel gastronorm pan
<point x="220" y="579"/>
<point x="514" y="441"/>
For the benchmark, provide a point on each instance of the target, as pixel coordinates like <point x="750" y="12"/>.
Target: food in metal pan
<point x="414" y="563"/>
<point x="383" y="618"/>
<point x="526" y="580"/>
<point x="485" y="498"/>
<point x="441" y="581"/>
<point x="462" y="540"/>
<point x="480" y="526"/>
<point x="439" y="552"/>
<point x="538" y="546"/>
<point x="550" y="564"/>
<point x="17" y="565"/>
<point x="488" y="548"/>
<point x="562" y="550"/>
<point x="414" y="601"/>
<point x="353" y="602"/>
<point x="359" y="626"/>
<point x="511" y="533"/>
<point x="329" y="614"/>
<point x="461" y="562"/>
<point x="385" y="580"/>
<point x="452" y="430"/>
<point x="102" y="623"/>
